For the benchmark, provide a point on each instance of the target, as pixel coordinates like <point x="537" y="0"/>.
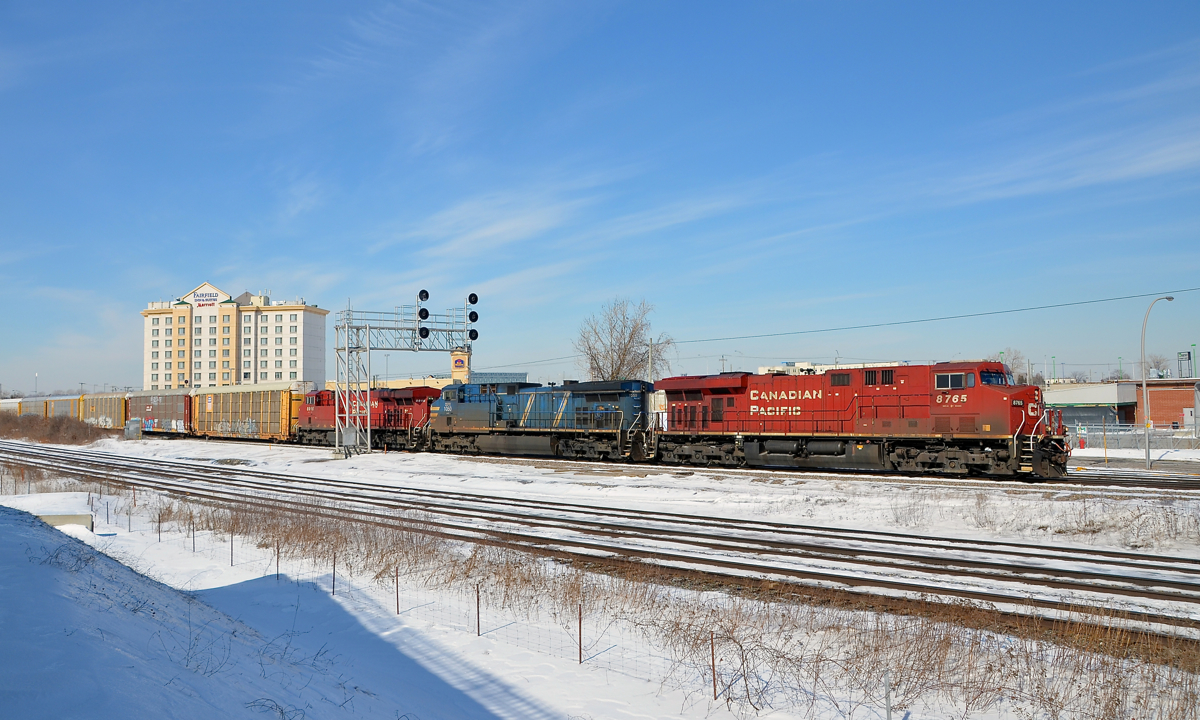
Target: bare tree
<point x="1116" y="375"/>
<point x="1158" y="365"/>
<point x="615" y="343"/>
<point x="1015" y="360"/>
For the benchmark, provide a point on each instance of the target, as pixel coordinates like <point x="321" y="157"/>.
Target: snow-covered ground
<point x="85" y="635"/>
<point x="1133" y="454"/>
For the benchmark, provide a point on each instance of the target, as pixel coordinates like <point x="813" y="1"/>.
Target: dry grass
<point x="777" y="647"/>
<point x="57" y="430"/>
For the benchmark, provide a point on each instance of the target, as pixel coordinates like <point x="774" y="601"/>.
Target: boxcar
<point x="161" y="411"/>
<point x="11" y="405"/>
<point x="106" y="410"/>
<point x="252" y="412"/>
<point x="63" y="406"/>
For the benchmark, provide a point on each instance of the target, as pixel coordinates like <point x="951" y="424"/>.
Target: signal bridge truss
<point x="407" y="328"/>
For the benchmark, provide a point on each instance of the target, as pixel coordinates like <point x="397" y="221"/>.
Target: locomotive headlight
<point x="1018" y="403"/>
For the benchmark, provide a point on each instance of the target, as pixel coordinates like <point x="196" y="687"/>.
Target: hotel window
<point x="262" y="353"/>
<point x="212" y="330"/>
<point x="293" y="319"/>
<point x="167" y="366"/>
<point x="153" y="321"/>
<point x="262" y="363"/>
<point x="278" y="318"/>
<point x="245" y="376"/>
<point x="183" y="320"/>
<point x="211" y="341"/>
<point x="278" y="376"/>
<point x="225" y="341"/>
<point x="263" y="341"/>
<point x="168" y="343"/>
<point x="246" y="353"/>
<point x="154" y="354"/>
<point x="154" y="366"/>
<point x="262" y="376"/>
<point x="213" y="319"/>
<point x="246" y="330"/>
<point x="167" y="331"/>
<point x="278" y="352"/>
<point x="154" y="333"/>
<point x="224" y="318"/>
<point x="154" y="376"/>
<point x="153" y="343"/>
<point x="224" y="364"/>
<point x="292" y="340"/>
<point x="199" y="319"/>
<point x="166" y="387"/>
<point x="292" y="328"/>
<point x="198" y="353"/>
<point x="212" y="364"/>
<point x="278" y="363"/>
<point x="291" y="363"/>
<point x="278" y="329"/>
<point x="224" y="376"/>
<point x="199" y="342"/>
<point x="292" y="376"/>
<point x="224" y="353"/>
<point x="247" y="318"/>
<point x="212" y="353"/>
<point x="278" y="341"/>
<point x="167" y="320"/>
<point x="292" y="352"/>
<point x="212" y="376"/>
<point x="180" y="376"/>
<point x="198" y="376"/>
<point x="197" y="366"/>
<point x="225" y="330"/>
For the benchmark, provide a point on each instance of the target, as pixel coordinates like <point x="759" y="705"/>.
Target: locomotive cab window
<point x="955" y="381"/>
<point x="992" y="377"/>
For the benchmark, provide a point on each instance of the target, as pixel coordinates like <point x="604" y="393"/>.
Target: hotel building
<point x="208" y="338"/>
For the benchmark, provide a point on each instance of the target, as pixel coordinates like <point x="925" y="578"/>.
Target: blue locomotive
<point x="598" y="420"/>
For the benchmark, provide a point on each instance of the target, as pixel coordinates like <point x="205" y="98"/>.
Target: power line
<point x="893" y="323"/>
<point x="937" y="319"/>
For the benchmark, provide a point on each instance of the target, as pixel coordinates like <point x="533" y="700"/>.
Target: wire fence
<point x="1131" y="437"/>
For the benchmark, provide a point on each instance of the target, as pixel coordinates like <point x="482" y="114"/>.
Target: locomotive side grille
<point x="966" y="424"/>
<point x="941" y="425"/>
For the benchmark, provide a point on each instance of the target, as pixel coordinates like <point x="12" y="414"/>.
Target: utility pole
<point x="1145" y="397"/>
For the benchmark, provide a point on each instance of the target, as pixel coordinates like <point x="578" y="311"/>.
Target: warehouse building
<point x="207" y="338"/>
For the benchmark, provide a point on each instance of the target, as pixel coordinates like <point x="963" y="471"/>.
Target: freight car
<point x="105" y="410"/>
<point x="957" y="418"/>
<point x="399" y="418"/>
<point x="254" y="412"/>
<point x="598" y="420"/>
<point x="161" y="411"/>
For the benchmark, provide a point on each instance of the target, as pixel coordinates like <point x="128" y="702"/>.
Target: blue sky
<point x="745" y="167"/>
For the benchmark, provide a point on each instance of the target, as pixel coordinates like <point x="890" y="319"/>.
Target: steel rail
<point x="694" y="539"/>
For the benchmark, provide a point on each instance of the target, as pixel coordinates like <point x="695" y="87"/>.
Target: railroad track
<point x="1162" y="591"/>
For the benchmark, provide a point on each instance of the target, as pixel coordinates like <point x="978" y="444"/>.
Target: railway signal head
<point x="423" y="296"/>
<point x="472" y="299"/>
<point x="423" y="313"/>
<point x="472" y="316"/>
<point x="423" y="332"/>
<point x="472" y="333"/>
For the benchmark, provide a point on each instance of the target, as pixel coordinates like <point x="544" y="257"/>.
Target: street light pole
<point x="1145" y="396"/>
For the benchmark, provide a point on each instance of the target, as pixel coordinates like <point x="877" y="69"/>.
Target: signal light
<point x="423" y="295"/>
<point x="472" y="333"/>
<point x="472" y="298"/>
<point x="472" y="316"/>
<point x="423" y="332"/>
<point x="423" y="313"/>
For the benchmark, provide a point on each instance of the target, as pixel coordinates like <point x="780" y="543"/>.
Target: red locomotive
<point x="963" y="417"/>
<point x="399" y="418"/>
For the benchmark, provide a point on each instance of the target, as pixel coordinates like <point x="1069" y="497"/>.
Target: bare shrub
<point x="57" y="430"/>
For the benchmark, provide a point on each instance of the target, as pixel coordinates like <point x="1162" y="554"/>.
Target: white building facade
<point x="208" y="338"/>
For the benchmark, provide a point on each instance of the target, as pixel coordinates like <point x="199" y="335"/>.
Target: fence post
<point x="887" y="692"/>
<point x="477" y="624"/>
<point x="335" y="572"/>
<point x="193" y="534"/>
<point x="712" y="646"/>
<point x="397" y="588"/>
<point x="277" y="559"/>
<point x="580" y="633"/>
<point x="230" y="547"/>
